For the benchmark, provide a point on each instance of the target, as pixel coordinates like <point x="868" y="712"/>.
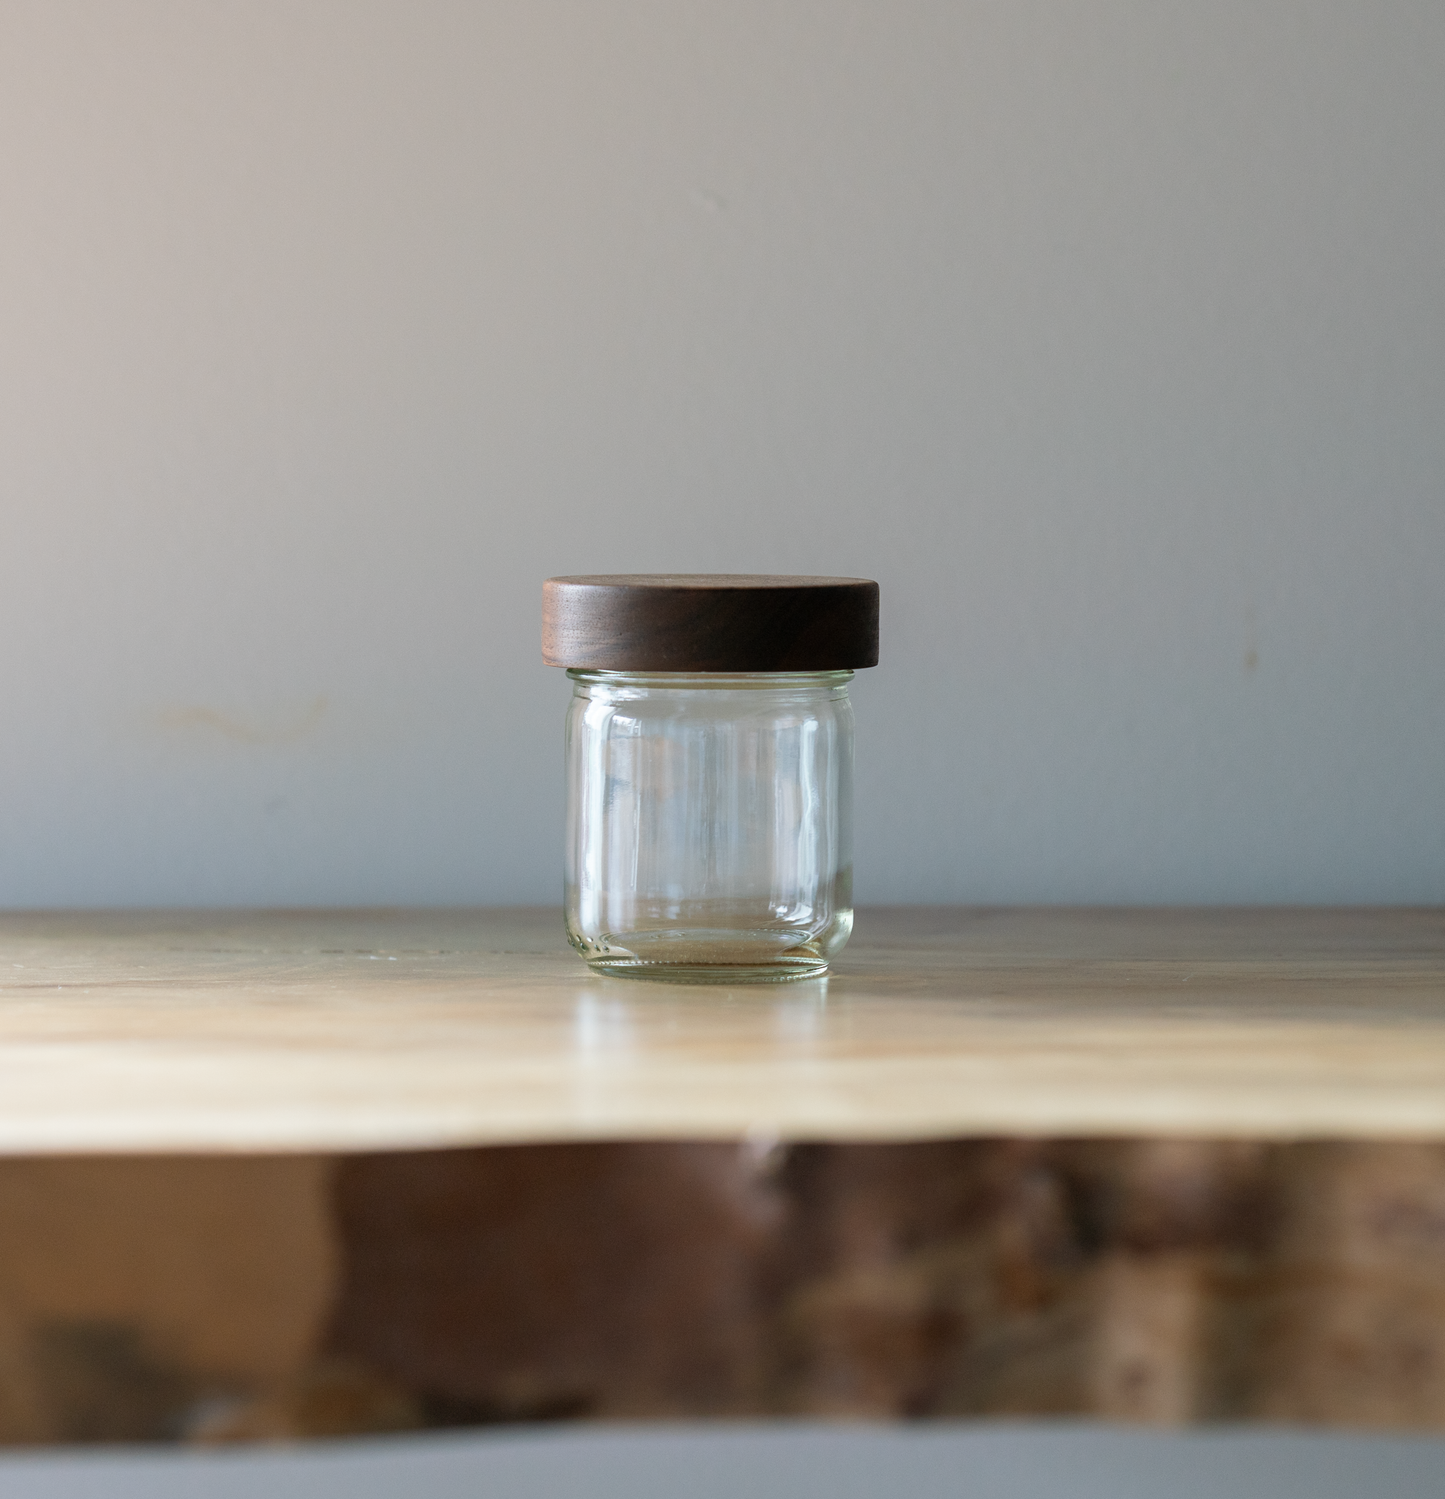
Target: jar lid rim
<point x="709" y="622"/>
<point x="708" y="581"/>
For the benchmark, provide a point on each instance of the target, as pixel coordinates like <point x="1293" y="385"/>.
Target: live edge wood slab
<point x="304" y="1174"/>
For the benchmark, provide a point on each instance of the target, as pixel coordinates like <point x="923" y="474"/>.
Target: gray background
<point x="1107" y="336"/>
<point x="986" y="1460"/>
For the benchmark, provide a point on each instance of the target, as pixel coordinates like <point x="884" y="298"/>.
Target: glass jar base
<point x="717" y="953"/>
<point x="777" y="972"/>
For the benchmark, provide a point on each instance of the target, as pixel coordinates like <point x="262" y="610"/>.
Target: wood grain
<point x="709" y="622"/>
<point x="383" y="1030"/>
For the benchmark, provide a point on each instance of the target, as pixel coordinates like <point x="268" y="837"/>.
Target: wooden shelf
<point x="229" y="1212"/>
<point x="341" y="1031"/>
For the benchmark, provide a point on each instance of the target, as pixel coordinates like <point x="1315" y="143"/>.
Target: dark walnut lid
<point x="709" y="622"/>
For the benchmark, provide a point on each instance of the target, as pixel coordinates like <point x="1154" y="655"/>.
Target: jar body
<point x="709" y="823"/>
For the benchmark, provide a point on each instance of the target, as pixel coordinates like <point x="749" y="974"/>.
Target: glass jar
<point x="709" y="807"/>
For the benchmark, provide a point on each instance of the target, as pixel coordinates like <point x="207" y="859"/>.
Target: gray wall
<point x="1109" y="337"/>
<point x="783" y="1460"/>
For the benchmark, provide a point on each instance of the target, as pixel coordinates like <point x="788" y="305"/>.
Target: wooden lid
<point x="709" y="622"/>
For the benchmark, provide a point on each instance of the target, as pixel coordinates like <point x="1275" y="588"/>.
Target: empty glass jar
<point x="709" y="770"/>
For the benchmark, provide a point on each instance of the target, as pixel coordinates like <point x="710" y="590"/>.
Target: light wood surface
<point x="377" y="1030"/>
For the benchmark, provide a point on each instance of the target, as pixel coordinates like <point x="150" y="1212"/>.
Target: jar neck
<point x="714" y="681"/>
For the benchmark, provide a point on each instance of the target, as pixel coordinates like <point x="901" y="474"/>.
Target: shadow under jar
<point x="709" y="770"/>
